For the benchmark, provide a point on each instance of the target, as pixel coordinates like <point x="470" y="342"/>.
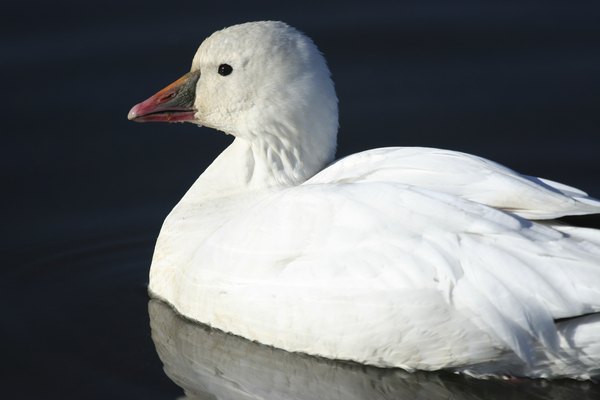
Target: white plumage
<point x="397" y="257"/>
<point x="209" y="364"/>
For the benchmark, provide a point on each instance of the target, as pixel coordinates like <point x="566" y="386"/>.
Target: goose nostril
<point x="167" y="97"/>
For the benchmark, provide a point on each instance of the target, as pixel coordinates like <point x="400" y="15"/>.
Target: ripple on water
<point x="77" y="323"/>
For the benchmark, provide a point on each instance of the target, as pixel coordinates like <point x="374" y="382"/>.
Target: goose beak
<point x="175" y="103"/>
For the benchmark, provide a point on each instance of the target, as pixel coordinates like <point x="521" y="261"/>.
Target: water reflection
<point x="209" y="364"/>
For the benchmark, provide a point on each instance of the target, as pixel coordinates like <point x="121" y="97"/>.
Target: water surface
<point x="85" y="191"/>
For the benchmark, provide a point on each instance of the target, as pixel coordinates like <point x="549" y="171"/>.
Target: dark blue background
<point x="85" y="191"/>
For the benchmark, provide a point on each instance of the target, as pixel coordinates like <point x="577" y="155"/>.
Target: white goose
<point x="399" y="257"/>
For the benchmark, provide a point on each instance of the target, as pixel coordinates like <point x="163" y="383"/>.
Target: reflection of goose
<point x="409" y="257"/>
<point x="210" y="364"/>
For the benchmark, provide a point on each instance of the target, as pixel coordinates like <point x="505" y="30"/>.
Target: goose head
<point x="266" y="84"/>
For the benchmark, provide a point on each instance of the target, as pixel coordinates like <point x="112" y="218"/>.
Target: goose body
<point x="416" y="258"/>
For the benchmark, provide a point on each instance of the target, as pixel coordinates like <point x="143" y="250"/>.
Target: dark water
<point x="85" y="191"/>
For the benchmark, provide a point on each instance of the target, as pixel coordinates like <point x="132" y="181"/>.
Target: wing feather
<point x="464" y="175"/>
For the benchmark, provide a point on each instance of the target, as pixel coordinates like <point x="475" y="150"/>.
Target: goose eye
<point x="225" y="69"/>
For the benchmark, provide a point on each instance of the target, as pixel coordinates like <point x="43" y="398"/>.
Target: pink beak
<point x="175" y="103"/>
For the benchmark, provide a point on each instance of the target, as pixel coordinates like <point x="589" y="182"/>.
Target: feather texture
<point x="398" y="257"/>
